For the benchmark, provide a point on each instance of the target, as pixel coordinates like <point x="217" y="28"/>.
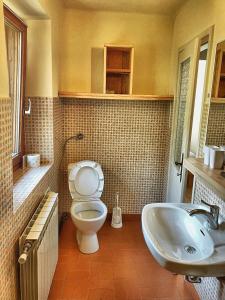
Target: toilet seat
<point x="86" y="181"/>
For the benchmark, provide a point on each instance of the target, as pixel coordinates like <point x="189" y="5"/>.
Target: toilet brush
<point x="117" y="215"/>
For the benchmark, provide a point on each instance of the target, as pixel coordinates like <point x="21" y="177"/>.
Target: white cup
<point x="33" y="160"/>
<point x="216" y="158"/>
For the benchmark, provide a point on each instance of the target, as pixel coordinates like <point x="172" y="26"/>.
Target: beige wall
<point x="54" y="10"/>
<point x="151" y="36"/>
<point x="39" y="58"/>
<point x="43" y="55"/>
<point x="4" y="84"/>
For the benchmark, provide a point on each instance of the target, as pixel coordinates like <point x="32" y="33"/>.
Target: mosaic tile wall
<point x="12" y="224"/>
<point x="216" y="125"/>
<point x="5" y="193"/>
<point x="58" y="148"/>
<point x="57" y="131"/>
<point x="129" y="139"/>
<point x="210" y="288"/>
<point x="39" y="128"/>
<point x="204" y="125"/>
<point x="167" y="158"/>
<point x="44" y="132"/>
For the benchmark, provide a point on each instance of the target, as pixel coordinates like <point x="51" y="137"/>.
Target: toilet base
<point x="87" y="243"/>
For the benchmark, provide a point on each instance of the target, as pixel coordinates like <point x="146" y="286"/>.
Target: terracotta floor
<point x="123" y="269"/>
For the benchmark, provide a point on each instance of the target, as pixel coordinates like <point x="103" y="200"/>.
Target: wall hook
<point x="28" y="111"/>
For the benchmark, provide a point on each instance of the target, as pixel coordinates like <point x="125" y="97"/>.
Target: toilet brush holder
<point x="117" y="215"/>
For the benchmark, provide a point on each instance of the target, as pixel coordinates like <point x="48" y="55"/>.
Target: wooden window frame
<point x="11" y="18"/>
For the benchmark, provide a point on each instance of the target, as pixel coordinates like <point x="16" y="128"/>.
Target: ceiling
<point x="26" y="9"/>
<point x="167" y="7"/>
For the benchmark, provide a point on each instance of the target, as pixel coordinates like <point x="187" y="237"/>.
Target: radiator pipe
<point x="23" y="257"/>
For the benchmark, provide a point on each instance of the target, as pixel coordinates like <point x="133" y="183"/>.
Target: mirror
<point x="216" y="121"/>
<point x="200" y="79"/>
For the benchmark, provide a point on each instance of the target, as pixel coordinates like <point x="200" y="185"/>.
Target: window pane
<point x="14" y="53"/>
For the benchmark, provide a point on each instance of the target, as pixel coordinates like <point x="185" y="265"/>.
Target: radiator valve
<point x="23" y="257"/>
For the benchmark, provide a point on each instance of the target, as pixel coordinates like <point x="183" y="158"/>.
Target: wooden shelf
<point x="211" y="176"/>
<point x="218" y="100"/>
<point x="118" y="71"/>
<point x="94" y="96"/>
<point x="218" y="89"/>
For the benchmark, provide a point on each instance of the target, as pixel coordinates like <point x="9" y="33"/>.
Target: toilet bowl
<point x="88" y="219"/>
<point x="88" y="212"/>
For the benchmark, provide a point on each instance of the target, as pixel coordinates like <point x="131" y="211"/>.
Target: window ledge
<point x="25" y="181"/>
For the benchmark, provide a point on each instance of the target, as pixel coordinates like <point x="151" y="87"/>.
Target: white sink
<point x="181" y="243"/>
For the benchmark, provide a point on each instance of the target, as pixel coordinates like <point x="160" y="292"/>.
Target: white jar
<point x="223" y="148"/>
<point x="33" y="160"/>
<point x="216" y="158"/>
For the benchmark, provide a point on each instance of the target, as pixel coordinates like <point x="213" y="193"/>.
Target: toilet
<point x="88" y="212"/>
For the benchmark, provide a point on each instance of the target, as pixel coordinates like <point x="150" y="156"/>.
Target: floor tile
<point x="122" y="269"/>
<point x="101" y="294"/>
<point x="56" y="290"/>
<point x="60" y="272"/>
<point x="102" y="270"/>
<point x="126" y="289"/>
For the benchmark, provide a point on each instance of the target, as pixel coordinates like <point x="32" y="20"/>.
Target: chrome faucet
<point x="212" y="216"/>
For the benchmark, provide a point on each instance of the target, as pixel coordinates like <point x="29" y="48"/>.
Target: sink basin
<point x="181" y="243"/>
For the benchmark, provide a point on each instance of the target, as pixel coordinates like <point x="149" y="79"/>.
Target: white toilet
<point x="88" y="212"/>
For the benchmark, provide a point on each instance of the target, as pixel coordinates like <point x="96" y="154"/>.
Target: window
<point x="16" y="39"/>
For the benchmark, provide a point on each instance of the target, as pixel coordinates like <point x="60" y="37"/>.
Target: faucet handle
<point x="204" y="202"/>
<point x="213" y="208"/>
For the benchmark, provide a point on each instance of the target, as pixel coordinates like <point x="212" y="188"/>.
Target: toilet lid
<point x="86" y="181"/>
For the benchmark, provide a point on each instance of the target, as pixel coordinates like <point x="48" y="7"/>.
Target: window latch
<point x="28" y="111"/>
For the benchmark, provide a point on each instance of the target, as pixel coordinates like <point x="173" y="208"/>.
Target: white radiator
<point x="39" y="250"/>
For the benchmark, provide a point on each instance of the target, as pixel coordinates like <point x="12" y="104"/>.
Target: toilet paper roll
<point x="216" y="158"/>
<point x="33" y="160"/>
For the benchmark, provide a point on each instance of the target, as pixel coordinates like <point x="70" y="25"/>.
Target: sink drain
<point x="189" y="249"/>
